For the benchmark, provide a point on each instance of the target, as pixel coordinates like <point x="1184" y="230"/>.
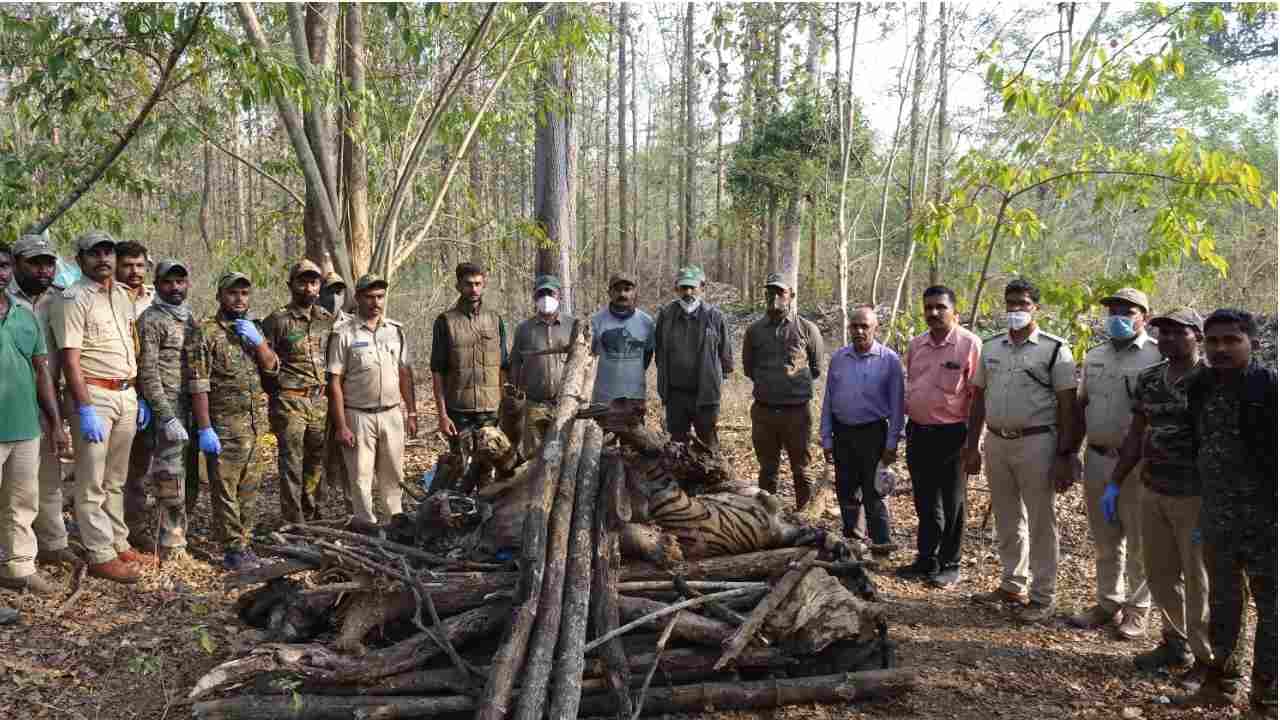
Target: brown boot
<point x="115" y="570"/>
<point x="137" y="557"/>
<point x="61" y="556"/>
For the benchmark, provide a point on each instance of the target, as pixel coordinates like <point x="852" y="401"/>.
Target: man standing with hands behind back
<point x="1025" y="393"/>
<point x="693" y="355"/>
<point x="861" y="423"/>
<point x="940" y="364"/>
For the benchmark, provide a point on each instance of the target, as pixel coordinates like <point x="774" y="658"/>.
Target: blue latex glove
<point x="209" y="442"/>
<point x="90" y="426"/>
<point x="144" y="414"/>
<point x="1109" y="498"/>
<point x="248" y="332"/>
<point x="1196" y="536"/>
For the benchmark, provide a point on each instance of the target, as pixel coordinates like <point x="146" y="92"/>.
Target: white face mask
<point x="1018" y="320"/>
<point x="547" y="304"/>
<point x="691" y="304"/>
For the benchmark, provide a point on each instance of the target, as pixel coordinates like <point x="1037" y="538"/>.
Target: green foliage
<point x="786" y="155"/>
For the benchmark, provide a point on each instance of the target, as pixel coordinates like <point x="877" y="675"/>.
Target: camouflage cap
<point x="1127" y="295"/>
<point x="1182" y="316"/>
<point x="690" y="276"/>
<point x="546" y="282"/>
<point x="231" y="277"/>
<point x="370" y="280"/>
<point x="168" y="265"/>
<point x="93" y="239"/>
<point x="332" y="278"/>
<point x="31" y="246"/>
<point x="622" y="277"/>
<point x="304" y="267"/>
<point x="777" y="280"/>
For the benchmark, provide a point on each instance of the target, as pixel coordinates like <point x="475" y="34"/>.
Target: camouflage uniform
<point x="135" y="487"/>
<point x="1238" y="525"/>
<point x="220" y="365"/>
<point x="174" y="477"/>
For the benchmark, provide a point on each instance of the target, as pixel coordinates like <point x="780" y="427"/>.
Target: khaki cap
<point x="778" y="281"/>
<point x="1182" y="316"/>
<point x="93" y="239"/>
<point x="304" y="267"/>
<point x="332" y="278"/>
<point x="232" y="277"/>
<point x="370" y="280"/>
<point x="621" y="277"/>
<point x="168" y="265"/>
<point x="1127" y="295"/>
<point x="31" y="246"/>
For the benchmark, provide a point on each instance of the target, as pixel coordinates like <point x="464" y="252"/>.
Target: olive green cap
<point x="1127" y="295"/>
<point x="93" y="239"/>
<point x="690" y="276"/>
<point x="168" y="265"/>
<point x="232" y="277"/>
<point x="304" y="267"/>
<point x="1182" y="316"/>
<point x="546" y="282"/>
<point x="370" y="280"/>
<point x="31" y="246"/>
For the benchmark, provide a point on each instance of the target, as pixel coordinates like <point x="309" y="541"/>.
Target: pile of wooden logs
<point x="565" y="630"/>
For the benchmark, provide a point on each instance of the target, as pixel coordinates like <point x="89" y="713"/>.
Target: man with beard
<point x="298" y="333"/>
<point x="372" y="400"/>
<point x="694" y="357"/>
<point x="34" y="266"/>
<point x="162" y="331"/>
<point x="131" y="272"/>
<point x="781" y="353"/>
<point x="25" y="394"/>
<point x="92" y="324"/>
<point x="623" y="338"/>
<point x="226" y="357"/>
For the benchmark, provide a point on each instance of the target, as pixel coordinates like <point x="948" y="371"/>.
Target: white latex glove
<point x="174" y="432"/>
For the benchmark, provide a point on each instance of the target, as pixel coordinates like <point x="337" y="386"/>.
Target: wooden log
<point x="747" y="566"/>
<point x="566" y="688"/>
<point x="536" y="677"/>
<point x="662" y="612"/>
<point x="737" y="695"/>
<point x="267" y="573"/>
<point x="510" y="657"/>
<point x="653" y="667"/>
<point x="745" y="632"/>
<point x="604" y="589"/>
<point x="692" y="627"/>
<point x="642" y="586"/>
<point x="462" y="591"/>
<point x="328" y="707"/>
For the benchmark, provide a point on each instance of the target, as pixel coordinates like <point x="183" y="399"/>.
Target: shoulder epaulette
<point x="997" y="336"/>
<point x="1053" y="337"/>
<point x="69" y="293"/>
<point x="393" y="323"/>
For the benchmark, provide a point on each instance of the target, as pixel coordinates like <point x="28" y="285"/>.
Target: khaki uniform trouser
<point x="778" y="427"/>
<point x="49" y="527"/>
<point x="378" y="456"/>
<point x="1117" y="547"/>
<point x="19" y="503"/>
<point x="1019" y="473"/>
<point x="1176" y="571"/>
<point x="101" y="470"/>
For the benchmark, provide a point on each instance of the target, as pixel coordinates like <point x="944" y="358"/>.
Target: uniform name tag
<point x="362" y="343"/>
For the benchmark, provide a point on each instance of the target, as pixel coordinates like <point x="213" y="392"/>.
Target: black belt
<point x="1019" y="434"/>
<point x="384" y="408"/>
<point x="860" y="426"/>
<point x="917" y="427"/>
<point x="1105" y="451"/>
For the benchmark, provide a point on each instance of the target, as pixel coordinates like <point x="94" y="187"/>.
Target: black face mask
<point x="332" y="300"/>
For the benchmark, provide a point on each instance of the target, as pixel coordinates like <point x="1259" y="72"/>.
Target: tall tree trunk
<point x="913" y="129"/>
<point x="811" y="75"/>
<point x="624" y="247"/>
<point x="792" y="220"/>
<point x="354" y="160"/>
<point x="846" y="153"/>
<point x="689" y="232"/>
<point x="552" y="183"/>
<point x="721" y="72"/>
<point x="939" y="187"/>
<point x="635" y="158"/>
<point x="608" y="149"/>
<point x="315" y="47"/>
<point x="205" y="191"/>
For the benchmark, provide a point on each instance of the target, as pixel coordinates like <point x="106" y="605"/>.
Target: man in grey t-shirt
<point x="622" y="337"/>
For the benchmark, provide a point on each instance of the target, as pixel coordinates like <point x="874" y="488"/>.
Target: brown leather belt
<point x="384" y="408"/>
<point x="110" y="383"/>
<point x="1105" y="451"/>
<point x="1019" y="434"/>
<point x="310" y="392"/>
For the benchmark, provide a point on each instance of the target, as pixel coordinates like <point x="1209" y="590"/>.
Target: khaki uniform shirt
<point x="299" y="337"/>
<point x="539" y="375"/>
<point x="1015" y="377"/>
<point x="141" y="299"/>
<point x="1108" y="384"/>
<point x="369" y="362"/>
<point x="100" y="323"/>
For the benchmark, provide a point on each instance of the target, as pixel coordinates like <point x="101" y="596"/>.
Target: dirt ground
<point x="134" y="652"/>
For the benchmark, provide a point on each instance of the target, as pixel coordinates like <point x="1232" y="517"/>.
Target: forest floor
<point x="123" y="652"/>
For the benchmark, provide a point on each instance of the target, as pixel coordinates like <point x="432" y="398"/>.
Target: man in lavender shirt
<point x="862" y="418"/>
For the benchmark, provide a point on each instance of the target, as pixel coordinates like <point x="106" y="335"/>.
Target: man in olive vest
<point x="468" y="359"/>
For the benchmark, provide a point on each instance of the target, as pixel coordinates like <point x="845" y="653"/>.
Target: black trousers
<point x="857" y="450"/>
<point x="683" y="413"/>
<point x="938" y="486"/>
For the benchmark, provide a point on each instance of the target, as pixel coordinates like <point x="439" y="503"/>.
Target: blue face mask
<point x="1120" y="327"/>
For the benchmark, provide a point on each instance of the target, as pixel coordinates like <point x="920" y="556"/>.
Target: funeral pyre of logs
<point x="360" y="625"/>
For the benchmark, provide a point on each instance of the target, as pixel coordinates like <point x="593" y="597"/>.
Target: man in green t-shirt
<point x="25" y="369"/>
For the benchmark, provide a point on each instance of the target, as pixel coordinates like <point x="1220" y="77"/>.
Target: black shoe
<point x="947" y="577"/>
<point x="917" y="570"/>
<point x="1167" y="656"/>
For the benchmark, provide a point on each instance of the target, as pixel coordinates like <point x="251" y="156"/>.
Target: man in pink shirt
<point x="939" y="365"/>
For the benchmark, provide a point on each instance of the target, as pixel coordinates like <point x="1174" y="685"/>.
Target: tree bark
<point x="624" y="246"/>
<point x="604" y="589"/>
<point x="746" y="632"/>
<point x="566" y="688"/>
<point x="552" y="183"/>
<point x="721" y="71"/>
<point x="205" y="191"/>
<point x="689" y="230"/>
<point x="608" y="150"/>
<point x="354" y="156"/>
<point x="691" y="626"/>
<point x="939" y="187"/>
<point x="748" y="566"/>
<point x="533" y="548"/>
